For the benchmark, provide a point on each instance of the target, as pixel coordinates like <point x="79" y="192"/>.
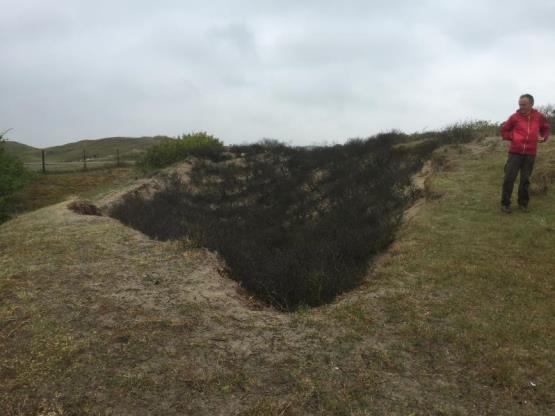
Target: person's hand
<point x="542" y="139"/>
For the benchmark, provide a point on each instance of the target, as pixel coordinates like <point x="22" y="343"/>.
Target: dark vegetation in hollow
<point x="296" y="226"/>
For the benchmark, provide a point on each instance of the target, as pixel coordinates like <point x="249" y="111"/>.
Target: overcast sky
<point x="303" y="72"/>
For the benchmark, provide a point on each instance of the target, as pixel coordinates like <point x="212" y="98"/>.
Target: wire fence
<point x="84" y="164"/>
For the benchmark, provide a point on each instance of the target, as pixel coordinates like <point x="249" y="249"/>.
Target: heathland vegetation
<point x="296" y="226"/>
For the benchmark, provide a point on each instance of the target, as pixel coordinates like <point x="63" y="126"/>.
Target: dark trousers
<point x="516" y="163"/>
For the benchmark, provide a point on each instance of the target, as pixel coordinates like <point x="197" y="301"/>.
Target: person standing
<point x="524" y="129"/>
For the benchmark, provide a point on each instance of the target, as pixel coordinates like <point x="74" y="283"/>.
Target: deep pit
<point x="296" y="226"/>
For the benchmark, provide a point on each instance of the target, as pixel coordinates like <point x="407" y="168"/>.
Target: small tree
<point x="2" y="140"/>
<point x="548" y="111"/>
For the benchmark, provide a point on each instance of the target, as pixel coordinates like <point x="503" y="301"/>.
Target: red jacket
<point x="523" y="131"/>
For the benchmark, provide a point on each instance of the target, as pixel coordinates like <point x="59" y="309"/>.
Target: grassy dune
<point x="129" y="148"/>
<point x="455" y="319"/>
<point x="23" y="151"/>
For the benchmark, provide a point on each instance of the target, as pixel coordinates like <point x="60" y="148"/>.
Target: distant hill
<point x="22" y="151"/>
<point x="129" y="148"/>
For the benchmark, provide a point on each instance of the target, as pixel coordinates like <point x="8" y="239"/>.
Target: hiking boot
<point x="506" y="208"/>
<point x="523" y="208"/>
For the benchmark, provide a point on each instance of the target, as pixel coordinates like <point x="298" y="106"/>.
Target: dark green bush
<point x="170" y="151"/>
<point x="13" y="177"/>
<point x="296" y="226"/>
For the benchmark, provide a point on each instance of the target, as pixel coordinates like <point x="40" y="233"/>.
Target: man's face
<point x="524" y="105"/>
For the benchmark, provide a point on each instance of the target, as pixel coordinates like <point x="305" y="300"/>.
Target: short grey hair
<point x="529" y="96"/>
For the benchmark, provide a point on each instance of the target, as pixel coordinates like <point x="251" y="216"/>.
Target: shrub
<point x="13" y="177"/>
<point x="170" y="151"/>
<point x="549" y="111"/>
<point x="483" y="128"/>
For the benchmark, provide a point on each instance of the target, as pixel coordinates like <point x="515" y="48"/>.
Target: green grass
<point x="22" y="151"/>
<point x="455" y="319"/>
<point x="55" y="187"/>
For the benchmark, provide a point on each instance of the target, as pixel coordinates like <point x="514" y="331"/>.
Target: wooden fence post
<point x="117" y="156"/>
<point x="84" y="160"/>
<point x="43" y="163"/>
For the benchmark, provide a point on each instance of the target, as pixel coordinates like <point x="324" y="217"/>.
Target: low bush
<point x="13" y="177"/>
<point x="170" y="151"/>
<point x="296" y="226"/>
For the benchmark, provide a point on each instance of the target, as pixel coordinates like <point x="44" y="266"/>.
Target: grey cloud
<point x="303" y="71"/>
<point x="236" y="36"/>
